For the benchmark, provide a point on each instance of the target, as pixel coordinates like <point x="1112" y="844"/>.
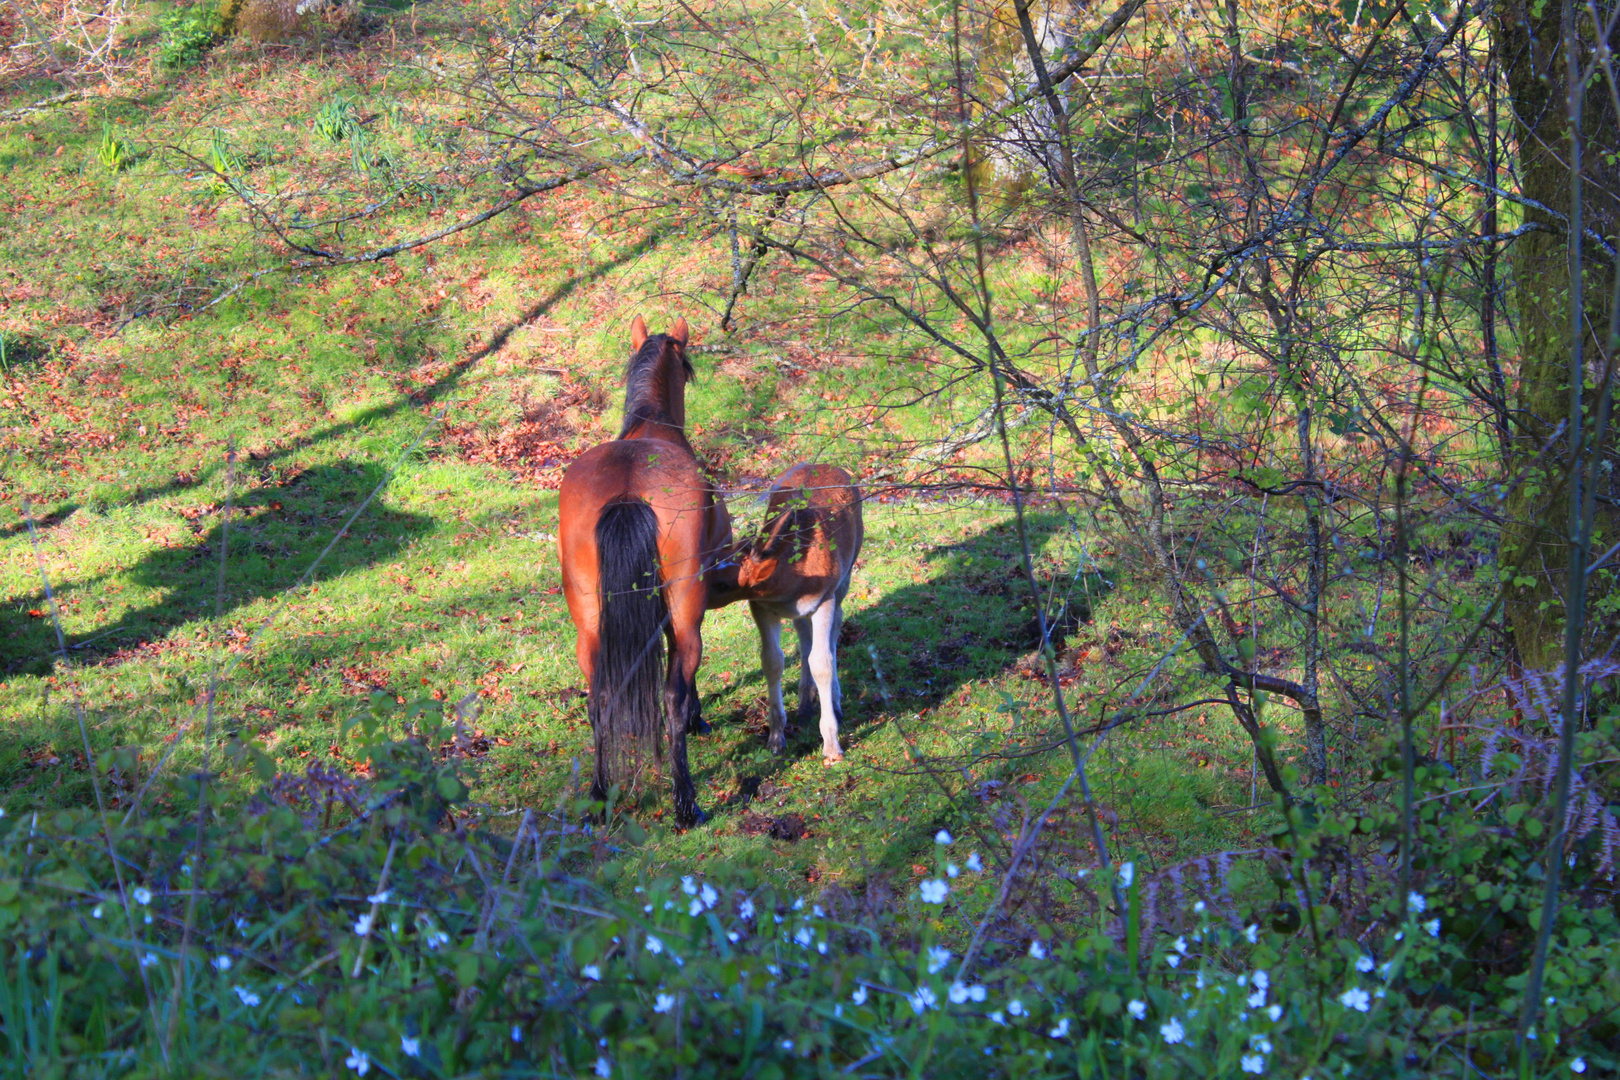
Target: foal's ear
<point x="679" y="331"/>
<point x="638" y="333"/>
<point x="771" y="543"/>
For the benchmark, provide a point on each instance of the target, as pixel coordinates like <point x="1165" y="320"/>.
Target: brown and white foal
<point x="798" y="568"/>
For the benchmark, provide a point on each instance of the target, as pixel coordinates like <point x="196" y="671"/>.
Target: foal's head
<point x="655" y="385"/>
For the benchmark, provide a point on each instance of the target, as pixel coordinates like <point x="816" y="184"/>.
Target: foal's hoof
<point x="698" y="726"/>
<point x="776" y="744"/>
<point x="829" y="760"/>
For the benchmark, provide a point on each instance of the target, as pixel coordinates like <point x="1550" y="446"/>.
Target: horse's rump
<point x="626" y="693"/>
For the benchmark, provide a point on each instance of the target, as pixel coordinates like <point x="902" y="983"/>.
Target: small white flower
<point x="1260" y="980"/>
<point x="952" y="870"/>
<point x="733" y="937"/>
<point x="149" y="959"/>
<point x="1137" y="1009"/>
<point x="1356" y="998"/>
<point x="654" y="946"/>
<point x="787" y="1044"/>
<point x="745" y="910"/>
<point x="359" y="1061"/>
<point x="688" y="886"/>
<point x="1253" y="1063"/>
<point x="1260" y="1043"/>
<point x="958" y="992"/>
<point x="1173" y="1032"/>
<point x="248" y="997"/>
<point x="1201" y="983"/>
<point x="1173" y="960"/>
<point x="362" y="925"/>
<point x="1127" y="874"/>
<point x="798" y="905"/>
<point x="1275" y="1012"/>
<point x="1062" y="1029"/>
<point x="143" y="895"/>
<point x="96" y="912"/>
<point x="1181" y="945"/>
<point x="379" y="898"/>
<point x="604" y="1067"/>
<point x="1252" y="932"/>
<point x="1433" y="927"/>
<point x="1015" y="1007"/>
<point x="1257" y="999"/>
<point x="1578" y="1065"/>
<point x="592" y="972"/>
<point x="1364" y="964"/>
<point x="438" y="938"/>
<point x="1037" y="950"/>
<point x="923" y="1000"/>
<point x="997" y="1018"/>
<point x="804" y="937"/>
<point x="977" y="992"/>
<point x="517" y="1034"/>
<point x="859" y="996"/>
<point x="410" y="1047"/>
<point x="934" y="891"/>
<point x="1416" y="903"/>
<point x="943" y="838"/>
<point x="938" y="957"/>
<point x="696" y="907"/>
<point x="222" y="963"/>
<point x="974" y="863"/>
<point x="1200" y="907"/>
<point x="709" y="896"/>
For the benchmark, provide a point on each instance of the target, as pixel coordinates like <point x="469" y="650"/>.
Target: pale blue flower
<point x="1137" y="1009"/>
<point x="1037" y="950"/>
<point x="1173" y="1032"/>
<point x="974" y="863"/>
<point x="1356" y="998"/>
<point x="358" y="1060"/>
<point x="1416" y="903"/>
<point x="410" y="1047"/>
<point x="1253" y="1063"/>
<point x="592" y="972"/>
<point x="934" y="891"/>
<point x="938" y="957"/>
<point x="943" y="838"/>
<point x="1364" y="964"/>
<point x="663" y="1003"/>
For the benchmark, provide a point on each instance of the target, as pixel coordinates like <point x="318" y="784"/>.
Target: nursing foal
<point x="798" y="568"/>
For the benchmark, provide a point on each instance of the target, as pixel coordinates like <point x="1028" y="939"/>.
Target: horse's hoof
<point x="691" y="820"/>
<point x="829" y="760"/>
<point x="776" y="744"/>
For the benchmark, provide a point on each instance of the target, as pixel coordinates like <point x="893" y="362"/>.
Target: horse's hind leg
<point x="823" y="667"/>
<point x="770" y="662"/>
<point x="808" y="698"/>
<point x="681" y="711"/>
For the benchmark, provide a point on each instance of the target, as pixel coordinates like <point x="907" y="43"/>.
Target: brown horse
<point x="799" y="569"/>
<point x="639" y="533"/>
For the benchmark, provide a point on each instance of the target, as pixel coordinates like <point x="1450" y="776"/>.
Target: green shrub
<point x="188" y="33"/>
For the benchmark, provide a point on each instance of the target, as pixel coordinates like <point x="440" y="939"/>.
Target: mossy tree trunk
<point x="1536" y="538"/>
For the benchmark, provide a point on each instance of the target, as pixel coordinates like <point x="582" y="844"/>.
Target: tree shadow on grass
<point x="275" y="535"/>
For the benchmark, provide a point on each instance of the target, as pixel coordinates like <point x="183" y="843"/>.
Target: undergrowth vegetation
<point x="1199" y="715"/>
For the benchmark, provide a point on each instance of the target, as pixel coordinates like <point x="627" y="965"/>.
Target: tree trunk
<point x="1535" y="539"/>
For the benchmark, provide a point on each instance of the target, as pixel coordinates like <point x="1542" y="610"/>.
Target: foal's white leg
<point x="824" y="669"/>
<point x="770" y="661"/>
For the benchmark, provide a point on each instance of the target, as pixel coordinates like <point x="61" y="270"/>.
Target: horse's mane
<point x="642" y="401"/>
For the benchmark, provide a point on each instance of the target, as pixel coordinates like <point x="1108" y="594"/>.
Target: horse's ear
<point x="679" y="331"/>
<point x="638" y="333"/>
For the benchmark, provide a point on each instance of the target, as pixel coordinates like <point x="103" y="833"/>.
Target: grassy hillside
<point x="433" y="399"/>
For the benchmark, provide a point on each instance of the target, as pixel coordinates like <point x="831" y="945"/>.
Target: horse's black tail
<point x="627" y="687"/>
